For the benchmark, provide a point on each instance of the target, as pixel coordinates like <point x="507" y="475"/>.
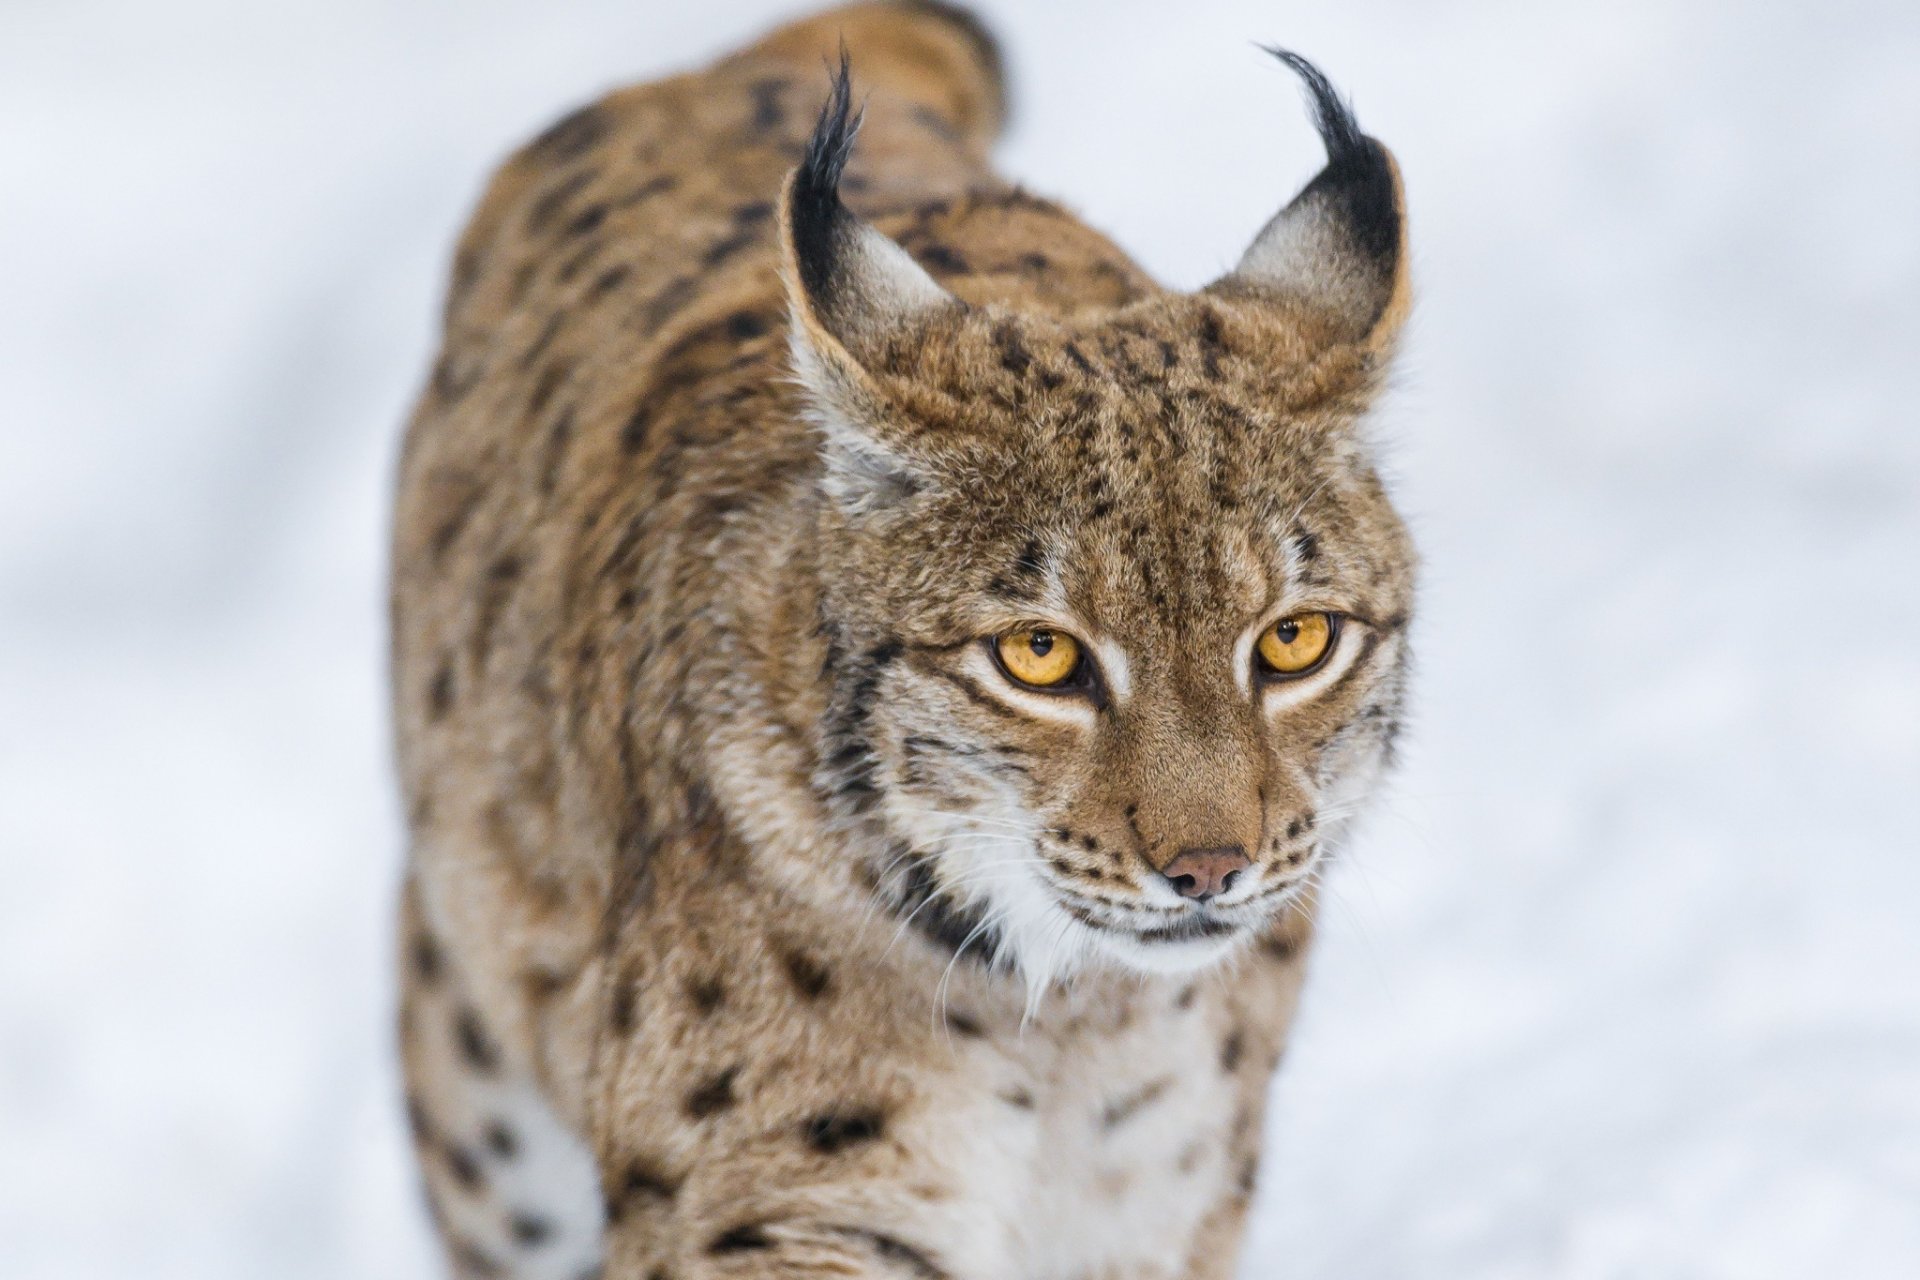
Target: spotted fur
<point x="757" y="924"/>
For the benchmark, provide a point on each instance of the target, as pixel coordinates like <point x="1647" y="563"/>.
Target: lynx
<point x="877" y="679"/>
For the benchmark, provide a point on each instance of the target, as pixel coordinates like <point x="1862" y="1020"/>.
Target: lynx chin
<point x="877" y="678"/>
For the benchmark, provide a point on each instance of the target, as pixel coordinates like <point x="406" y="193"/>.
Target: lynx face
<point x="1117" y="604"/>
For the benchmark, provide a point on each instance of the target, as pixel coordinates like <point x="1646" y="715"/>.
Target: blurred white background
<point x="1623" y="982"/>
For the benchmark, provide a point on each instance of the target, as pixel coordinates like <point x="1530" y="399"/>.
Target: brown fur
<point x="694" y="736"/>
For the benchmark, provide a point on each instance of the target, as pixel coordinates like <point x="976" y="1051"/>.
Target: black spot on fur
<point x="501" y="1141"/>
<point x="440" y="692"/>
<point x="809" y="977"/>
<point x="713" y="1095"/>
<point x="707" y="994"/>
<point x="633" y="434"/>
<point x="529" y="1229"/>
<point x="648" y="190"/>
<point x="573" y="134"/>
<point x="1233" y="1050"/>
<point x="721" y="250"/>
<point x="1018" y="1098"/>
<point x="476" y="1046"/>
<point x="607" y="281"/>
<point x="551" y="379"/>
<point x="495" y="590"/>
<point x="682" y="369"/>
<point x="1014" y="357"/>
<point x="743" y="325"/>
<point x="453" y="378"/>
<point x="418" y="1125"/>
<point x="1123" y="1109"/>
<point x="768" y="114"/>
<point x="580" y="259"/>
<point x="935" y="123"/>
<point x="1277" y="947"/>
<point x="942" y="258"/>
<point x="544" y="339"/>
<point x="1212" y="345"/>
<point x="428" y="962"/>
<point x="835" y="1131"/>
<point x="464" y="1167"/>
<point x="620" y="1012"/>
<point x="962" y="1024"/>
<point x="745" y="1238"/>
<point x="554" y="200"/>
<point x="586" y="221"/>
<point x="642" y="1178"/>
<point x="670" y="299"/>
<point x="522" y="280"/>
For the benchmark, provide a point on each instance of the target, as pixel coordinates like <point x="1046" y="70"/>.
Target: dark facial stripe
<point x="979" y="696"/>
<point x="897" y="1254"/>
<point x="956" y="929"/>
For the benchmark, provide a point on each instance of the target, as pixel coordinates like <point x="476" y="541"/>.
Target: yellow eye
<point x="1294" y="646"/>
<point x="1037" y="656"/>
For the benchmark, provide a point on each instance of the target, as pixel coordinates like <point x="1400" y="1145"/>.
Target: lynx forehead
<point x="858" y="644"/>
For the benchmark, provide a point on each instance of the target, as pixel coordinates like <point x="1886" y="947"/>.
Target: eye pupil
<point x="1288" y="632"/>
<point x="1041" y="642"/>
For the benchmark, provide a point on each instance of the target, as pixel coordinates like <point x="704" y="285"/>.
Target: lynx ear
<point x="850" y="290"/>
<point x="1339" y="248"/>
<point x="849" y="287"/>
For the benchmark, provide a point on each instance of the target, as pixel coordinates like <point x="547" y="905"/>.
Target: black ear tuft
<point x="1332" y="115"/>
<point x="849" y="288"/>
<point x="1337" y="251"/>
<point x="1358" y="177"/>
<point x="817" y="214"/>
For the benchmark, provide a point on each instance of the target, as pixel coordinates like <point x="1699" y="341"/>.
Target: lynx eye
<point x="1296" y="645"/>
<point x="1037" y="656"/>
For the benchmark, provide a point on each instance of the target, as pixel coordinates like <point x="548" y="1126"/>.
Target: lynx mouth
<point x="1163" y="939"/>
<point x="1196" y="940"/>
<point x="1197" y="924"/>
<point x="1194" y="928"/>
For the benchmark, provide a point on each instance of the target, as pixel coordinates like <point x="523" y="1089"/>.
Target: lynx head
<point x="1117" y="603"/>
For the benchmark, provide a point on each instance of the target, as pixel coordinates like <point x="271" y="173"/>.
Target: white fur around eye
<point x="1278" y="695"/>
<point x="1113" y="667"/>
<point x="1243" y="656"/>
<point x="1061" y="708"/>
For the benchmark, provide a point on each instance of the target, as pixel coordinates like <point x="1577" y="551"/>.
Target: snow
<point x="1623" y="980"/>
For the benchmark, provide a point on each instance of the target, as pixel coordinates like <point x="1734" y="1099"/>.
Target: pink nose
<point x="1201" y="874"/>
